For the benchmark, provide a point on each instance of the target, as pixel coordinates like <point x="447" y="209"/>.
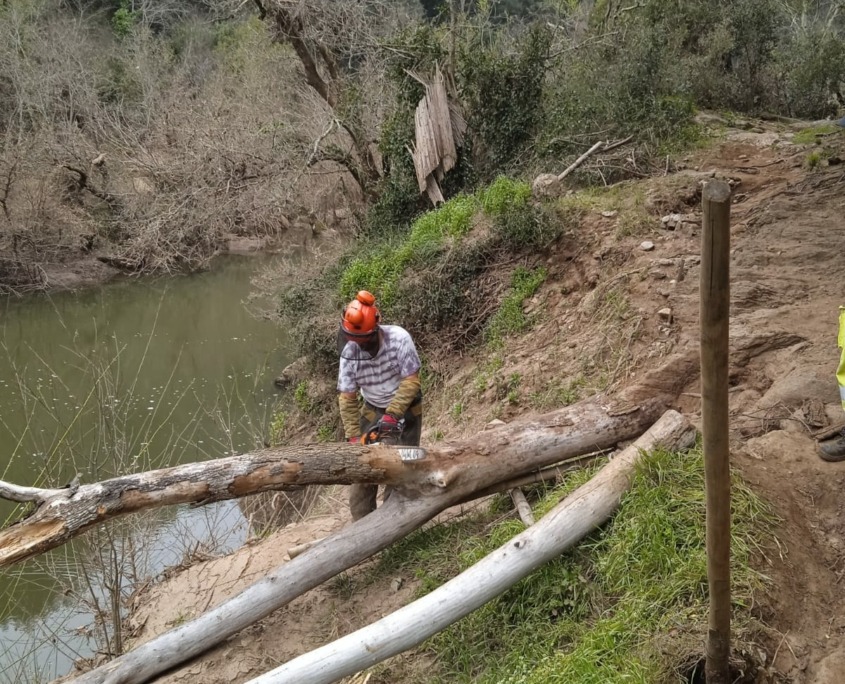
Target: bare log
<point x="459" y="469"/>
<point x="585" y="509"/>
<point x="465" y="468"/>
<point x="522" y="506"/>
<point x="63" y="514"/>
<point x="574" y="165"/>
<point x="338" y="552"/>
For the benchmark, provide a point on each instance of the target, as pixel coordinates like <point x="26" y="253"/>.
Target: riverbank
<point x="621" y="294"/>
<point x="132" y="375"/>
<point x="82" y="270"/>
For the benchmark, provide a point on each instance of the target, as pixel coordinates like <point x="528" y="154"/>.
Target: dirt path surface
<point x="612" y="307"/>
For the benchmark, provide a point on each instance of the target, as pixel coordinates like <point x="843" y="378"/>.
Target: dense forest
<point x="142" y="132"/>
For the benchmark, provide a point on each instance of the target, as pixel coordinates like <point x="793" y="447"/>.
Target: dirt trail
<point x="603" y="320"/>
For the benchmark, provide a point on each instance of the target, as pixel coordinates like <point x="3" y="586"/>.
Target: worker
<point x="834" y="449"/>
<point x="381" y="362"/>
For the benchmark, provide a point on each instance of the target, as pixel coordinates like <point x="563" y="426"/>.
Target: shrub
<point x="503" y="195"/>
<point x="124" y="19"/>
<point x="814" y="64"/>
<point x="490" y="74"/>
<point x="380" y="271"/>
<point x="118" y="85"/>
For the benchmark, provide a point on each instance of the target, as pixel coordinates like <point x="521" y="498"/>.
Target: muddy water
<point x="131" y="376"/>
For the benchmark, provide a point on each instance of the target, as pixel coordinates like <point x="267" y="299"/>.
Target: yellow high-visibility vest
<point x="840" y="372"/>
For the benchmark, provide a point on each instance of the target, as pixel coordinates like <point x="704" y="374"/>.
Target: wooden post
<point x="715" y="310"/>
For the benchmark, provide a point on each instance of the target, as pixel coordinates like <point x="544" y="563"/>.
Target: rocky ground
<point x="622" y="293"/>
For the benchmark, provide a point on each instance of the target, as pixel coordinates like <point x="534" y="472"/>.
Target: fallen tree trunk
<point x="465" y="468"/>
<point x="585" y="509"/>
<point x="459" y="468"/>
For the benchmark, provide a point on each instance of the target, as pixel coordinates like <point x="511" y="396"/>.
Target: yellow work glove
<point x="349" y="415"/>
<point x="404" y="397"/>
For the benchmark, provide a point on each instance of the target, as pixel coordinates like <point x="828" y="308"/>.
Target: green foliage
<point x="556" y="393"/>
<point x="607" y="610"/>
<point x="451" y="219"/>
<point x="326" y="433"/>
<point x="301" y="398"/>
<point x="242" y="46"/>
<point x="529" y="229"/>
<point x="118" y="85"/>
<point x="381" y="270"/>
<point x="376" y="272"/>
<point x="399" y="198"/>
<point x="812" y="134"/>
<point x="278" y="427"/>
<point x="310" y="310"/>
<point x="124" y="19"/>
<point x="517" y="223"/>
<point x="510" y="318"/>
<point x="514" y="381"/>
<point x="814" y="159"/>
<point x="814" y="64"/>
<point x="420" y="48"/>
<point x="457" y="410"/>
<point x="490" y="78"/>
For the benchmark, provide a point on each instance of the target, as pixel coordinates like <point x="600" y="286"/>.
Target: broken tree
<point x="450" y="475"/>
<point x="494" y="461"/>
<point x="585" y="509"/>
<point x="452" y="472"/>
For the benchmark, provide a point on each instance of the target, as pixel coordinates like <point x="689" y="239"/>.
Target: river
<point x="134" y="375"/>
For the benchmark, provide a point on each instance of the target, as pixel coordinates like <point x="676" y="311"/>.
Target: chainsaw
<point x="373" y="436"/>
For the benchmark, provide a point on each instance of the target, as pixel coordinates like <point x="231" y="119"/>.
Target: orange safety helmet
<point x="361" y="317"/>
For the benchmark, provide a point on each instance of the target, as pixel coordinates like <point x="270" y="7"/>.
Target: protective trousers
<point x="362" y="497"/>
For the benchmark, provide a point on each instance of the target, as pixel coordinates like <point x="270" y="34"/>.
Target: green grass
<point x="504" y="195"/>
<point x="814" y="159"/>
<point x="301" y="398"/>
<point x="808" y="136"/>
<point x="626" y="198"/>
<point x="623" y="606"/>
<point x="326" y="433"/>
<point x="556" y="393"/>
<point x="510" y="318"/>
<point x="380" y="270"/>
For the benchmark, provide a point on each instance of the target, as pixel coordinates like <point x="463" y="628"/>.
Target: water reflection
<point x="129" y="377"/>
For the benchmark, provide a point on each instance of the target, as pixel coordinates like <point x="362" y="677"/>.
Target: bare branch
<point x="290" y="28"/>
<point x="19" y="494"/>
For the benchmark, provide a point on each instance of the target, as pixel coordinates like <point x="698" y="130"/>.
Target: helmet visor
<point x="357" y="347"/>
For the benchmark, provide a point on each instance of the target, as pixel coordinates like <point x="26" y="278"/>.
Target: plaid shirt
<point x="378" y="378"/>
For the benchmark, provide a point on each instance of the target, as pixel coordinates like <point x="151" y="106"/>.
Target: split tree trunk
<point x="582" y="511"/>
<point x="457" y="470"/>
